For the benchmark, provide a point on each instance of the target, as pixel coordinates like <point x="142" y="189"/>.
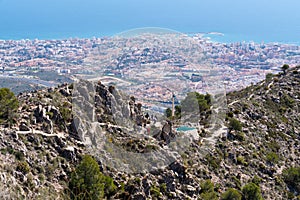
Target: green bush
<point x="291" y="177"/>
<point x="23" y="167"/>
<point x="8" y="105"/>
<point x="251" y="191"/>
<point x="269" y="77"/>
<point x="234" y="124"/>
<point x="66" y="113"/>
<point x="257" y="180"/>
<point x="240" y="136"/>
<point x="109" y="186"/>
<point x="207" y="191"/>
<point x="209" y="196"/>
<point x="19" y="155"/>
<point x="86" y="181"/>
<point x="207" y="186"/>
<point x="155" y="192"/>
<point x="213" y="161"/>
<point x="231" y="194"/>
<point x="241" y="160"/>
<point x="272" y="157"/>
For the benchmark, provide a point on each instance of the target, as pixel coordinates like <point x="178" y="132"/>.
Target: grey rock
<point x="24" y="127"/>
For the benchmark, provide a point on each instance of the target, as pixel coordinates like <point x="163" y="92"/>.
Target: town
<point x="154" y="66"/>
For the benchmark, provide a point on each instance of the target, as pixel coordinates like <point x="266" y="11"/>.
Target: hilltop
<point x="42" y="148"/>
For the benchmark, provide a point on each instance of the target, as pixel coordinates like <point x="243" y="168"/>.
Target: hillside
<point x="42" y="148"/>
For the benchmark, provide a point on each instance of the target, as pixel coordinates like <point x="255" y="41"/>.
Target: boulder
<point x="23" y="127"/>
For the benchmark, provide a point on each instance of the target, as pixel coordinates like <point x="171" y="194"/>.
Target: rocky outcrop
<point x="166" y="134"/>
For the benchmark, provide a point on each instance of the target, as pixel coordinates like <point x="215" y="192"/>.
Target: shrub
<point x="230" y="114"/>
<point x="207" y="186"/>
<point x="109" y="186"/>
<point x="251" y="191"/>
<point x="155" y="192"/>
<point x="209" y="196"/>
<point x="235" y="124"/>
<point x="240" y="136"/>
<point x="269" y="77"/>
<point x="272" y="158"/>
<point x="241" y="160"/>
<point x="66" y="113"/>
<point x="23" y="167"/>
<point x="231" y="194"/>
<point x="212" y="161"/>
<point x="19" y="155"/>
<point x="257" y="180"/>
<point x="291" y="177"/>
<point x="207" y="191"/>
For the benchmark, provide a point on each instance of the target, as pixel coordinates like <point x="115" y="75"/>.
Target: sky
<point x="108" y="17"/>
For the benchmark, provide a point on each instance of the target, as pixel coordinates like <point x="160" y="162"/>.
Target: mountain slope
<point x="41" y="150"/>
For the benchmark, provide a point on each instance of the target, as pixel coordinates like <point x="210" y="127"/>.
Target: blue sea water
<point x="248" y="20"/>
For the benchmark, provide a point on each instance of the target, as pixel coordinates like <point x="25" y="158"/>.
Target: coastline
<point x="213" y="36"/>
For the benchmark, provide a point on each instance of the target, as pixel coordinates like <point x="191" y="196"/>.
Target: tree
<point x="87" y="180"/>
<point x="168" y="112"/>
<point x="178" y="111"/>
<point x="196" y="102"/>
<point x="285" y="67"/>
<point x="231" y="194"/>
<point x="251" y="191"/>
<point x="8" y="105"/>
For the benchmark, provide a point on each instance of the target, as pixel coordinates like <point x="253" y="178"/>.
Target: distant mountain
<point x="257" y="155"/>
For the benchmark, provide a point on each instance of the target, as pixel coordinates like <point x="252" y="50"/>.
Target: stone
<point x="24" y="127"/>
<point x="69" y="153"/>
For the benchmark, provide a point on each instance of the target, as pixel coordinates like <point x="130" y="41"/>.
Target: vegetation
<point x="234" y="124"/>
<point x="23" y="167"/>
<point x="66" y="112"/>
<point x="168" y="112"/>
<point x="231" y="194"/>
<point x="207" y="191"/>
<point x="291" y="177"/>
<point x="87" y="182"/>
<point x="269" y="77"/>
<point x="8" y="105"/>
<point x="195" y="101"/>
<point x="285" y="67"/>
<point x="193" y="104"/>
<point x="155" y="192"/>
<point x="251" y="191"/>
<point x="272" y="158"/>
<point x="177" y="112"/>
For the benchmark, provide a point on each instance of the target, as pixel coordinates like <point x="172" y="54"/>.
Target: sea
<point x="260" y="21"/>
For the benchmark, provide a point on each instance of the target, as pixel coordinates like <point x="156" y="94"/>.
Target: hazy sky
<point x="113" y="16"/>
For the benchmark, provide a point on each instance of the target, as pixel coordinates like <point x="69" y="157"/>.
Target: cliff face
<point x="41" y="150"/>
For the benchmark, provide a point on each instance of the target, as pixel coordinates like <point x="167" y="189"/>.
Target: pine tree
<point x="285" y="67"/>
<point x="87" y="180"/>
<point x="8" y="105"/>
